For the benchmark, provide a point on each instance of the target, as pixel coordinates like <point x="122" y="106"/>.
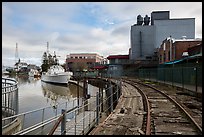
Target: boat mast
<point x="16" y="53"/>
<point x="47" y="48"/>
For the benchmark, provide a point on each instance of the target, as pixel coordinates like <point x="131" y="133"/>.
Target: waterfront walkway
<point x="127" y="117"/>
<point x="79" y="125"/>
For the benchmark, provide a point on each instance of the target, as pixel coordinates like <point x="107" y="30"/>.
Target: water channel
<point x="48" y="99"/>
<point x="35" y="94"/>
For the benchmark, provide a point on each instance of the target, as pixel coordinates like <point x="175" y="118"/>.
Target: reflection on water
<point x="35" y="94"/>
<point x="56" y="92"/>
<point x="32" y="80"/>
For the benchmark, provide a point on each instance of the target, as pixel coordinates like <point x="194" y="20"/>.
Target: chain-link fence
<point x="185" y="77"/>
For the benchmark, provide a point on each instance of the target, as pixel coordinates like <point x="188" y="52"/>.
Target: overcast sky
<point x="79" y="27"/>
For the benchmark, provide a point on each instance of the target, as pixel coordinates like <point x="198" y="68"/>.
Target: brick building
<point x="195" y="50"/>
<point x="85" y="60"/>
<point x="173" y="49"/>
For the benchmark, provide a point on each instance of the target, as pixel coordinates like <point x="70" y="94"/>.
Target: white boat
<point x="56" y="75"/>
<point x="33" y="73"/>
<point x="4" y="71"/>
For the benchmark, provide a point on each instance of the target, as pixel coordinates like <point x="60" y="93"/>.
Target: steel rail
<point x="198" y="128"/>
<point x="147" y="107"/>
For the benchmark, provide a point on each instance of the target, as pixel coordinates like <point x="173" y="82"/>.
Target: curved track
<point x="167" y="115"/>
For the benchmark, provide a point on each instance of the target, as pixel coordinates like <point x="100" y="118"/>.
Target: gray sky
<point x="79" y="27"/>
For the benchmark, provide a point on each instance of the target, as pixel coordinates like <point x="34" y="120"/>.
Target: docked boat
<point x="56" y="74"/>
<point x="34" y="73"/>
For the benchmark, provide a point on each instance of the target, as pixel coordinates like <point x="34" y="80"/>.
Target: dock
<point x="126" y="118"/>
<point x="79" y="125"/>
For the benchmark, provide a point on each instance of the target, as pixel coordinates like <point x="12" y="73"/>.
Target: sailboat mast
<point x="16" y="53"/>
<point x="47" y="48"/>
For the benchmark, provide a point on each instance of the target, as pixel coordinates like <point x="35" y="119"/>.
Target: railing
<point x="40" y="116"/>
<point x="87" y="115"/>
<point x="9" y="100"/>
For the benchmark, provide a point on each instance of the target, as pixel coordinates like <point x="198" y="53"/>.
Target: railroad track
<point x="167" y="114"/>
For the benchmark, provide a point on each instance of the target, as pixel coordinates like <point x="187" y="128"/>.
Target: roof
<point x="118" y="57"/>
<point x="184" y="39"/>
<point x="174" y="62"/>
<point x="190" y="57"/>
<point x="100" y="67"/>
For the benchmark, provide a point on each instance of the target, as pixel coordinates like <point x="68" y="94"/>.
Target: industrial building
<point x="147" y="36"/>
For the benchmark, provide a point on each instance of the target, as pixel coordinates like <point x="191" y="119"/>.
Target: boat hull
<point x="62" y="78"/>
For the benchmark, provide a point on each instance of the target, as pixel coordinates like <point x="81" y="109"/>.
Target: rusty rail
<point x="199" y="129"/>
<point x="147" y="108"/>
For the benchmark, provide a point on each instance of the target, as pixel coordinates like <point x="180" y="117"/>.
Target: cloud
<point x="75" y="27"/>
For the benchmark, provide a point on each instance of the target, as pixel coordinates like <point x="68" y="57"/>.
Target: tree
<point x="80" y="66"/>
<point x="45" y="63"/>
<point x="48" y="60"/>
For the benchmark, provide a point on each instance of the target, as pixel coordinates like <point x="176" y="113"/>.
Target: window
<point x="169" y="55"/>
<point x="148" y="57"/>
<point x="160" y="58"/>
<point x="164" y="57"/>
<point x="116" y="61"/>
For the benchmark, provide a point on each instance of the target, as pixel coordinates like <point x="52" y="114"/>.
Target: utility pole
<point x="170" y="45"/>
<point x="16" y="53"/>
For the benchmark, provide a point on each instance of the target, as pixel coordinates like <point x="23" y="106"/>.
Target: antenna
<point x="16" y="53"/>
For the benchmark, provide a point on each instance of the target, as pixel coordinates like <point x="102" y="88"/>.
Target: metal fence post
<point x="16" y="97"/>
<point x="111" y="96"/>
<point x="23" y="123"/>
<point x="101" y="99"/>
<point x="78" y="92"/>
<point x="172" y="73"/>
<point x="157" y="75"/>
<point x="84" y="115"/>
<point x="120" y="88"/>
<point x="196" y="79"/>
<point x="164" y="74"/>
<point x="97" y="108"/>
<point x="42" y="129"/>
<point x="85" y="87"/>
<point x="63" y="123"/>
<point x="182" y="78"/>
<point x="117" y="88"/>
<point x="75" y="122"/>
